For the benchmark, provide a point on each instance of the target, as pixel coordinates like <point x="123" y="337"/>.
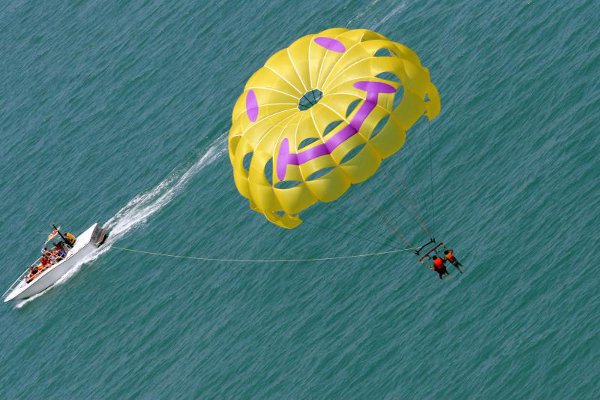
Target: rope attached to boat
<point x="266" y="260"/>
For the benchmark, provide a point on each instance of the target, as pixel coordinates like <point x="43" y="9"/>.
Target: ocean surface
<point x="119" y="111"/>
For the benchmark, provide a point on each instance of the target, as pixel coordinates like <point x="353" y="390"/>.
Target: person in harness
<point x="449" y="256"/>
<point x="439" y="267"/>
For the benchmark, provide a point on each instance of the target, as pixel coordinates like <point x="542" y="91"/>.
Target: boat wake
<point x="369" y="10"/>
<point x="143" y="206"/>
<point x="398" y="9"/>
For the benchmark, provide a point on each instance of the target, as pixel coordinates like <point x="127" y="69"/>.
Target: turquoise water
<point x="120" y="112"/>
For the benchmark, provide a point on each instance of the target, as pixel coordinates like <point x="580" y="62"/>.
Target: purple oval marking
<point x="330" y="44"/>
<point x="251" y="105"/>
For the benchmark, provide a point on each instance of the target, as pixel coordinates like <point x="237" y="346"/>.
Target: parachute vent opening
<point x="388" y="76"/>
<point x="331" y="126"/>
<point x="398" y="97"/>
<point x="380" y="125"/>
<point x="247" y="161"/>
<point x="307" y="142"/>
<point x="383" y="52"/>
<point x="309" y="99"/>
<point x="352" y="106"/>
<point x="269" y="171"/>
<point x="287" y="184"/>
<point x="352" y="153"/>
<point x="319" y="173"/>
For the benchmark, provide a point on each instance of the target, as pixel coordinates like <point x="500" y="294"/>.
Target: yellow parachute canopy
<point x="321" y="115"/>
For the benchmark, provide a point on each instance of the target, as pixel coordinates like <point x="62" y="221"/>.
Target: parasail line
<point x="431" y="176"/>
<point x="351" y="234"/>
<point x="266" y="260"/>
<point x="395" y="232"/>
<point x="412" y="204"/>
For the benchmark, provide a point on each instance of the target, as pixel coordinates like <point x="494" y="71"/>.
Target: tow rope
<point x="266" y="260"/>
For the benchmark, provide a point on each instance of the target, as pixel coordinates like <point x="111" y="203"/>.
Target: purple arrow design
<point x="286" y="158"/>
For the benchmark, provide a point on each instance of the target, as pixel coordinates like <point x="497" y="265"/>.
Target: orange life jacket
<point x="450" y="257"/>
<point x="438" y="263"/>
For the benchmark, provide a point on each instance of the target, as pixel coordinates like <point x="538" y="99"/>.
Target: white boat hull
<point x="86" y="243"/>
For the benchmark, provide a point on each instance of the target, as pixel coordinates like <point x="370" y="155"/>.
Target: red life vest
<point x="450" y="257"/>
<point x="438" y="263"/>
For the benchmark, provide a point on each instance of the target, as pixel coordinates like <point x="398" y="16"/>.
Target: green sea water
<point x="118" y="112"/>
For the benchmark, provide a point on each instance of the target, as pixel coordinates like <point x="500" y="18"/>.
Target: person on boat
<point x="60" y="249"/>
<point x="33" y="271"/>
<point x="48" y="253"/>
<point x="45" y="262"/>
<point x="56" y="256"/>
<point x="50" y="256"/>
<point x="449" y="256"/>
<point x="70" y="239"/>
<point x="439" y="267"/>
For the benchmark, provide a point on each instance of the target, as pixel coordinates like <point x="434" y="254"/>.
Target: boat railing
<point x="21" y="277"/>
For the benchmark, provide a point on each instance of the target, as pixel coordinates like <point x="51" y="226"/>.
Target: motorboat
<point x="73" y="249"/>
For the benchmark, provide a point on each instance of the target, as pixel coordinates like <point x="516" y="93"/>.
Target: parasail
<point x="321" y="115"/>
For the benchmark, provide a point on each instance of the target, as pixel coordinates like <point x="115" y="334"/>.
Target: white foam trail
<point x="363" y="11"/>
<point x="141" y="207"/>
<point x="144" y="205"/>
<point x="68" y="275"/>
<point x="21" y="303"/>
<point x="398" y="9"/>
